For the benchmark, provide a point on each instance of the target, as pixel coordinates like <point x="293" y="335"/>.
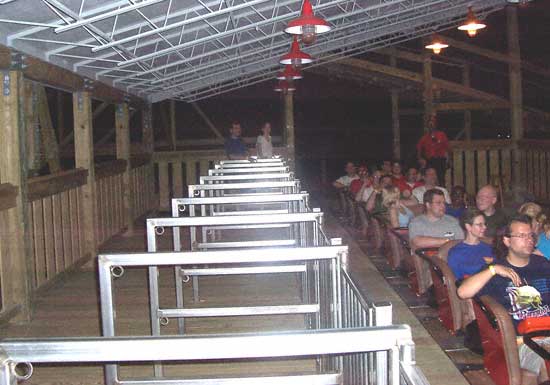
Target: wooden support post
<point x="16" y="263"/>
<point x="207" y="120"/>
<point x="428" y="94"/>
<point x="147" y="137"/>
<point x="467" y="113"/>
<point x="516" y="96"/>
<point x="395" y="117"/>
<point x="289" y="124"/>
<point x="173" y="136"/>
<point x="31" y="128"/>
<point x="122" y="124"/>
<point x="84" y="158"/>
<point x="395" y="124"/>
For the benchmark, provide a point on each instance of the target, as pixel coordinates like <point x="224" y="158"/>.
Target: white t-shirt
<point x="264" y="146"/>
<point x="363" y="196"/>
<point x="346" y="179"/>
<point x="418" y="193"/>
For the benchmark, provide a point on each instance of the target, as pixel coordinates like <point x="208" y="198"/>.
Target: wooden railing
<point x="175" y="167"/>
<point x="8" y="193"/>
<point x="109" y="199"/>
<point x="142" y="182"/>
<point x="477" y="163"/>
<point x="55" y="221"/>
<point x="534" y="167"/>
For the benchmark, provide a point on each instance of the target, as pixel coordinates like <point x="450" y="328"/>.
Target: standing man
<point x="434" y="147"/>
<point x="234" y="146"/>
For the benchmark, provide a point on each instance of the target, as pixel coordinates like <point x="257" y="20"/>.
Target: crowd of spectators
<point x="490" y="248"/>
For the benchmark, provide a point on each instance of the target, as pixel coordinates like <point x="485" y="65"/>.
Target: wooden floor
<point x="72" y="309"/>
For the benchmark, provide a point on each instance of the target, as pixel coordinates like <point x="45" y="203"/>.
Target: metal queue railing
<point x="319" y="311"/>
<point x="249" y="189"/>
<point x="300" y="230"/>
<point x="249" y="170"/>
<point x="352" y="340"/>
<point x="238" y="178"/>
<point x="18" y="355"/>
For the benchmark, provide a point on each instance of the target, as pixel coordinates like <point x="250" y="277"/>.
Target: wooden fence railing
<point x="142" y="182"/>
<point x="8" y="193"/>
<point x="534" y="166"/>
<point x="109" y="199"/>
<point x="175" y="167"/>
<point x="55" y="221"/>
<point x="477" y="163"/>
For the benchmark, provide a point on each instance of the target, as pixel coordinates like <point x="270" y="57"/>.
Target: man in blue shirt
<point x="234" y="146"/>
<point x="520" y="283"/>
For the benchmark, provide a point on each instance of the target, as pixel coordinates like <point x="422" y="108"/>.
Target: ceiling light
<point x="296" y="57"/>
<point x="437" y="44"/>
<point x="290" y="73"/>
<point x="471" y="24"/>
<point x="307" y="25"/>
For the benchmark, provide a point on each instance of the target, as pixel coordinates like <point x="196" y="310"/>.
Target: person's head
<point x="530" y="209"/>
<point x="519" y="238"/>
<point x="422" y="163"/>
<point x="350" y="168"/>
<point x="266" y="128"/>
<point x="396" y="168"/>
<point x="363" y="171"/>
<point x="235" y="130"/>
<point x="473" y="222"/>
<point x="386" y="167"/>
<point x="385" y="180"/>
<point x="412" y="175"/>
<point x="541" y="223"/>
<point x="457" y="196"/>
<point x="390" y="196"/>
<point x="486" y="199"/>
<point x="430" y="176"/>
<point x="434" y="200"/>
<point x="376" y="175"/>
<point x="431" y="122"/>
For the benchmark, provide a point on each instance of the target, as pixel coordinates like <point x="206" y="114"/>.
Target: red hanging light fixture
<point x="296" y="57"/>
<point x="307" y="25"/>
<point x="471" y="25"/>
<point x="284" y="87"/>
<point x="290" y="73"/>
<point x="437" y="44"/>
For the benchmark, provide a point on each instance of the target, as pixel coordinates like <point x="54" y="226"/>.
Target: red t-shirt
<point x="402" y="185"/>
<point x="434" y="145"/>
<point x="356" y="185"/>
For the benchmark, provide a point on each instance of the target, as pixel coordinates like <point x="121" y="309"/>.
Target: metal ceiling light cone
<point x="290" y="73"/>
<point x="307" y="25"/>
<point x="284" y="86"/>
<point x="437" y="44"/>
<point x="296" y="57"/>
<point x="471" y="25"/>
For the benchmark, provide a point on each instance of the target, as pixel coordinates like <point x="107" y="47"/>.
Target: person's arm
<point x="371" y="202"/>
<point x="473" y="284"/>
<point x="359" y="195"/>
<point x="394" y="216"/>
<point x="422" y="241"/>
<point x="259" y="147"/>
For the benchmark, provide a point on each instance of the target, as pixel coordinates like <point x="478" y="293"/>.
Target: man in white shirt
<point x="344" y="181"/>
<point x="430" y="182"/>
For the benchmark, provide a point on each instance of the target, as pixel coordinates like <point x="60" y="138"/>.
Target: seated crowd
<point x="490" y="249"/>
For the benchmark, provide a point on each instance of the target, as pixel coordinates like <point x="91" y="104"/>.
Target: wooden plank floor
<point x="72" y="309"/>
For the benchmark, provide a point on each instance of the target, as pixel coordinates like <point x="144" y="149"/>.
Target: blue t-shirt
<point x="454" y="212"/>
<point x="235" y="146"/>
<point x="543" y="245"/>
<point x="531" y="300"/>
<point x="465" y="260"/>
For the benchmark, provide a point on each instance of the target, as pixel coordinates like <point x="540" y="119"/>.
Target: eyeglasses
<point x="524" y="235"/>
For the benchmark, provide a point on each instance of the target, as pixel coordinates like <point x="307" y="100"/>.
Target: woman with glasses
<point x="471" y="255"/>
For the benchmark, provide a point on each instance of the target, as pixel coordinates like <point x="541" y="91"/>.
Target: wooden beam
<point x="16" y="262"/>
<point x="60" y="118"/>
<point x="289" y="124"/>
<point x="99" y="109"/>
<point x="122" y="124"/>
<point x="147" y="136"/>
<point x="428" y="93"/>
<point x="461" y="106"/>
<point x="105" y="138"/>
<point x="173" y="136"/>
<point x="31" y="128"/>
<point x="516" y="95"/>
<point x="84" y="158"/>
<point x="477" y="50"/>
<point x="207" y="120"/>
<point x="47" y="133"/>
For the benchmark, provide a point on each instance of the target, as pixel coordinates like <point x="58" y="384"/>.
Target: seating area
<point x="247" y="287"/>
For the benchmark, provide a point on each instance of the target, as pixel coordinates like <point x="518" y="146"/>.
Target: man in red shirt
<point x="434" y="147"/>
